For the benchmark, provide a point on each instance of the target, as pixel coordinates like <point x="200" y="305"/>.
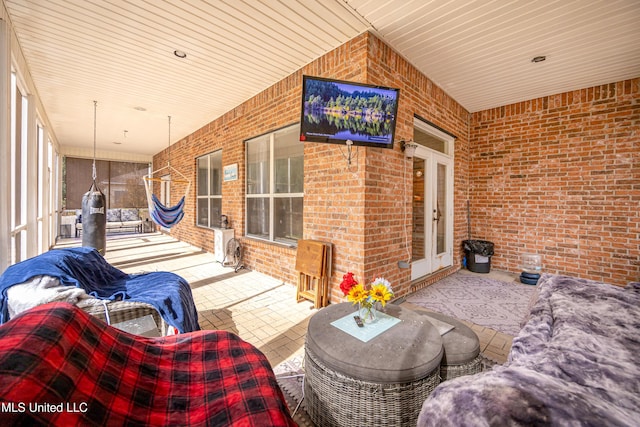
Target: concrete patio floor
<point x="260" y="309"/>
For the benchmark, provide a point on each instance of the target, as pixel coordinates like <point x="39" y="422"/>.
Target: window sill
<point x="204" y="227"/>
<point x="269" y="242"/>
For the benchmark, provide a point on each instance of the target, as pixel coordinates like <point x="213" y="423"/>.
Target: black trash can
<point x="478" y="254"/>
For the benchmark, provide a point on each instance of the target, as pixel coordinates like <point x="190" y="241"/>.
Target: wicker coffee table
<point x="382" y="382"/>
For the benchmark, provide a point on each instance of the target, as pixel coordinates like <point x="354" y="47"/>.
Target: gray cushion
<point x="113" y="215"/>
<point x="461" y="344"/>
<point x="130" y="214"/>
<point x="408" y="351"/>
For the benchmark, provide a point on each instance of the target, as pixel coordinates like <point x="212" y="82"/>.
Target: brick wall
<point x="559" y="176"/>
<point x="327" y="181"/>
<point x="556" y="176"/>
<point x="389" y="175"/>
<point x="359" y="208"/>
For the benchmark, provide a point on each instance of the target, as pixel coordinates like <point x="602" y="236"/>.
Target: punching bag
<point x="94" y="219"/>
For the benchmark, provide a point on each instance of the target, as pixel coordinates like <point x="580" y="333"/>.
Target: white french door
<point x="432" y="243"/>
<point x="165" y="195"/>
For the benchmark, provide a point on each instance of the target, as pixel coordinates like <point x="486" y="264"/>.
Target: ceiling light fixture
<point x="140" y="108"/>
<point x="539" y="58"/>
<point x="180" y="54"/>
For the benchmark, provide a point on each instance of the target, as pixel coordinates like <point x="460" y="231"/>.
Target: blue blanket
<point x="85" y="268"/>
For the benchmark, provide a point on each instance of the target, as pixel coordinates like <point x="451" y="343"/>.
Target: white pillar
<point x="5" y="147"/>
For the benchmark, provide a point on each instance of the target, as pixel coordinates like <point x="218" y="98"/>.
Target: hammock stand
<point x="163" y="215"/>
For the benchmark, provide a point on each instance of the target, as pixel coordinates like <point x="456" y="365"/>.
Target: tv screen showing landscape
<point x="336" y="111"/>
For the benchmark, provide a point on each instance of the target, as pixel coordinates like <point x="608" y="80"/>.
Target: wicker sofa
<point x="575" y="362"/>
<point x="119" y="219"/>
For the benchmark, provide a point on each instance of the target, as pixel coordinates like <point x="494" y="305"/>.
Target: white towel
<point x="40" y="290"/>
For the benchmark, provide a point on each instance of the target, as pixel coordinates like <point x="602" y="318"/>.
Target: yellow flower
<point x="357" y="294"/>
<point x="381" y="294"/>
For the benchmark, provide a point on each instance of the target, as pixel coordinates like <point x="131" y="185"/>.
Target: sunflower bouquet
<point x="379" y="291"/>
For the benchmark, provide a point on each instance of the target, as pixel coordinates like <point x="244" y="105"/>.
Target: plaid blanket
<point x="61" y="366"/>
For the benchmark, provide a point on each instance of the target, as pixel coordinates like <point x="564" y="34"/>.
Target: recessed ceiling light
<point x="539" y="58"/>
<point x="116" y="142"/>
<point x="140" y="108"/>
<point x="180" y="54"/>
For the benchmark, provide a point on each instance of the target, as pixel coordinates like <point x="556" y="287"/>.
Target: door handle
<point x="437" y="214"/>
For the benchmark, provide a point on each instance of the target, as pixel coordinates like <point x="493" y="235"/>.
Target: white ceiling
<point x="120" y="53"/>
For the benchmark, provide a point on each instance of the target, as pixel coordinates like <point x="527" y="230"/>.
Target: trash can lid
<point x="482" y="247"/>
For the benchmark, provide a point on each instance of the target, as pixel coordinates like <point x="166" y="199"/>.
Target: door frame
<point x="434" y="261"/>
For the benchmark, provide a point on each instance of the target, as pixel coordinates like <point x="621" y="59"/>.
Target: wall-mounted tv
<point x="336" y="111"/>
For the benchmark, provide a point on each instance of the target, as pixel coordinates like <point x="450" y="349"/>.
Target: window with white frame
<point x="209" y="190"/>
<point x="41" y="189"/>
<point x="19" y="138"/>
<point x="274" y="186"/>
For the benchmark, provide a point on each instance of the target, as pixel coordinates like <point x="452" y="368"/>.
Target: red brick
<point x="545" y="175"/>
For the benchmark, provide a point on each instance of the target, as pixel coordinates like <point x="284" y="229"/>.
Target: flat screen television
<point x="336" y="111"/>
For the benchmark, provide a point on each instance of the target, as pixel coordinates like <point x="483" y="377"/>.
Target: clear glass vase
<point x="367" y="312"/>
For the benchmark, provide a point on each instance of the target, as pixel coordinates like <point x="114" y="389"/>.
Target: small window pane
<point x="203" y="167"/>
<point x="288" y="213"/>
<point x="209" y="189"/>
<point x="289" y="158"/>
<point x="215" y="207"/>
<point x="258" y="166"/>
<point x="429" y="141"/>
<point x="216" y="170"/>
<point x="203" y="212"/>
<point x="258" y="217"/>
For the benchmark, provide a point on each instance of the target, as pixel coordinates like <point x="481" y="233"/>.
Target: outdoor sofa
<point x="574" y="363"/>
<point x="120" y="219"/>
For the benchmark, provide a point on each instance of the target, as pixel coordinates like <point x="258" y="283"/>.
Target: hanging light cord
<point x="95" y="107"/>
<point x="169" y="144"/>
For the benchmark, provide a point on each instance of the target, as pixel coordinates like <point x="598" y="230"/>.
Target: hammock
<point x="160" y="214"/>
<point x="164" y="216"/>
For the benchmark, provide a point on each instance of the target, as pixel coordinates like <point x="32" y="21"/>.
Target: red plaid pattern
<point x="61" y="366"/>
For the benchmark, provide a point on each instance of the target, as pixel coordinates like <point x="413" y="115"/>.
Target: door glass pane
<point x="418" y="242"/>
<point x="165" y="190"/>
<point x="441" y="205"/>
